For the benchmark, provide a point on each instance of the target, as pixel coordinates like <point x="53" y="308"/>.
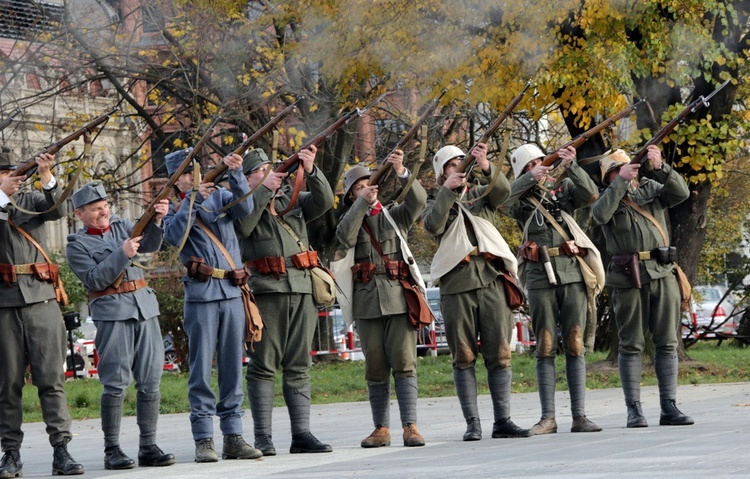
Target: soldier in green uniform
<point x="641" y="277"/>
<point x="379" y="308"/>
<point x="559" y="299"/>
<point x="470" y="267"/>
<point x="31" y="324"/>
<point x="275" y="249"/>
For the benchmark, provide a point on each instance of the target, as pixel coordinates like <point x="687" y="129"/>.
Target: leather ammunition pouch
<point x="305" y="259"/>
<point x="363" y="272"/>
<point x="198" y="269"/>
<point x="664" y="254"/>
<point x="7" y="274"/>
<point x="239" y="277"/>
<point x="530" y="251"/>
<point x="628" y="262"/>
<point x="47" y="272"/>
<point x="396" y="270"/>
<point x="571" y="249"/>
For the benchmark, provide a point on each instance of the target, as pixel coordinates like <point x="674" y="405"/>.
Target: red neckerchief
<point x="96" y="231"/>
<point x="182" y="194"/>
<point x="376" y="208"/>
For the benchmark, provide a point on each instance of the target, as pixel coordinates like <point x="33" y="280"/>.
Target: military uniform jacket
<point x="381" y="296"/>
<point x="626" y="231"/>
<point x="98" y="260"/>
<point x="262" y="236"/>
<point x="576" y="191"/>
<point x="442" y="211"/>
<point x="16" y="249"/>
<point x="200" y="245"/>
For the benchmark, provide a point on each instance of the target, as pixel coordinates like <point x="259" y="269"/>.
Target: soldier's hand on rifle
<point x="11" y="184"/>
<point x="44" y="164"/>
<point x="567" y="155"/>
<point x="630" y="171"/>
<point x="205" y="189"/>
<point x="273" y="180"/>
<point x="307" y="157"/>
<point x="396" y="159"/>
<point x="479" y="152"/>
<point x="654" y="156"/>
<point x="161" y="208"/>
<point x="370" y="193"/>
<point x="455" y="180"/>
<point x="540" y="171"/>
<point x="233" y="161"/>
<point x="131" y="245"/>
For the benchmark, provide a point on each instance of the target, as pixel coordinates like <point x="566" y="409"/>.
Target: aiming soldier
<point x="128" y="337"/>
<point x="552" y="274"/>
<point x="31" y="324"/>
<point x="641" y="276"/>
<point x="276" y="249"/>
<point x="379" y="307"/>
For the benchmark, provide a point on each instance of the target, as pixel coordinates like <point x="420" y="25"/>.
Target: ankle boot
<point x="584" y="424"/>
<point x="11" y="465"/>
<point x="412" y="438"/>
<point x="235" y="447"/>
<point x="508" y="429"/>
<point x="546" y="425"/>
<point x="153" y="456"/>
<point x="380" y="437"/>
<point x="63" y="463"/>
<point x="205" y="450"/>
<point x="635" y="415"/>
<point x="306" y="442"/>
<point x="115" y="459"/>
<point x="671" y="416"/>
<point x="264" y="444"/>
<point x="473" y="430"/>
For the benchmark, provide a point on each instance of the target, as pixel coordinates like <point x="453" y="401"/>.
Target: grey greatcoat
<point x="31" y="326"/>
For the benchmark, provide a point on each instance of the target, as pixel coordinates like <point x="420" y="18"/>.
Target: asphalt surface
<point x="716" y="446"/>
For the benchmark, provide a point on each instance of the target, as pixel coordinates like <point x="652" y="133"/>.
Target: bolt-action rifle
<point x="9" y="119"/>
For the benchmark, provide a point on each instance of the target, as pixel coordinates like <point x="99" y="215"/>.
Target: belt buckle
<point x="23" y="269"/>
<point x="644" y="255"/>
<point x="553" y="251"/>
<point x="219" y="273"/>
<point x="130" y="286"/>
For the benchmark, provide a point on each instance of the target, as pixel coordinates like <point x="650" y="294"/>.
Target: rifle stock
<point x="9" y="119"/>
<point x="377" y="175"/>
<point x="553" y="158"/>
<point x="28" y="167"/>
<point x="219" y="169"/>
<point x="149" y="213"/>
<point x="469" y="159"/>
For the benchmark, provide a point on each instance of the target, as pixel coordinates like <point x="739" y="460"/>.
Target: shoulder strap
<point x="216" y="241"/>
<point x="549" y="217"/>
<point x="31" y="239"/>
<point x="648" y="216"/>
<point x="290" y="231"/>
<point x="62" y="295"/>
<point x="374" y="241"/>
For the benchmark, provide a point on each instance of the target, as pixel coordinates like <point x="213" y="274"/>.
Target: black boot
<point x="671" y="416"/>
<point x="635" y="415"/>
<point x="473" y="430"/>
<point x="264" y="444"/>
<point x="306" y="442"/>
<point x="63" y="463"/>
<point x="115" y="459"/>
<point x="508" y="429"/>
<point x="153" y="456"/>
<point x="11" y="465"/>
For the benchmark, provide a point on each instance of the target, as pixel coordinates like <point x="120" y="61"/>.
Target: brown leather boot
<point x="584" y="424"/>
<point x="381" y="436"/>
<point x="412" y="438"/>
<point x="546" y="425"/>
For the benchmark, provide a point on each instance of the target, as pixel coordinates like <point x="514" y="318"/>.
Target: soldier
<point x="471" y="265"/>
<point x="214" y="311"/>
<point x="379" y="308"/>
<point x="559" y="299"/>
<point x="643" y="288"/>
<point x="126" y="314"/>
<point x="31" y="324"/>
<point x="276" y="251"/>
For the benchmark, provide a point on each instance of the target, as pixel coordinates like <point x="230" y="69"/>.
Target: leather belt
<point x="25" y="268"/>
<point x="125" y="287"/>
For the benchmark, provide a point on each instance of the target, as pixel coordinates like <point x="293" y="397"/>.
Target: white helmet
<point x="614" y="160"/>
<point x="524" y="155"/>
<point x="443" y="156"/>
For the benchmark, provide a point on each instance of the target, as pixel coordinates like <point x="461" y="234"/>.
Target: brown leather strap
<point x="216" y="241"/>
<point x="125" y="287"/>
<point x="648" y="216"/>
<point x="295" y="193"/>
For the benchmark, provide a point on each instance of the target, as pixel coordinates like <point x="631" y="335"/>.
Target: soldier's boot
<point x="205" y="450"/>
<point x="147" y="416"/>
<point x="466" y="390"/>
<point x="10" y="464"/>
<point x="412" y="438"/>
<point x="235" y="447"/>
<point x="260" y="394"/>
<point x="115" y="459"/>
<point x="153" y="456"/>
<point x="298" y="404"/>
<point x="380" y="437"/>
<point x="63" y="463"/>
<point x="575" y="370"/>
<point x="630" y="367"/>
<point x="666" y="367"/>
<point x="545" y="378"/>
<point x="499" y="381"/>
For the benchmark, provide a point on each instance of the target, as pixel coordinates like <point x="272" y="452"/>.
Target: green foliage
<point x="77" y="294"/>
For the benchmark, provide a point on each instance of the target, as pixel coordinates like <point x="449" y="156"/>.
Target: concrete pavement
<point x="716" y="446"/>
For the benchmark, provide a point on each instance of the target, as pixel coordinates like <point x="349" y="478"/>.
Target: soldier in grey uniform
<point x="472" y="296"/>
<point x="128" y="337"/>
<point x="282" y="285"/>
<point x="31" y="324"/>
<point x="562" y="301"/>
<point x="379" y="308"/>
<point x="643" y="288"/>
<point x="214" y="312"/>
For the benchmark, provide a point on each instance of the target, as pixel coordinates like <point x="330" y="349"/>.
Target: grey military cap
<point x="175" y="159"/>
<point x="253" y="159"/>
<point x="91" y="192"/>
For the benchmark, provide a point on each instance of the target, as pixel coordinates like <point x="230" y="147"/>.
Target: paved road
<point x="717" y="446"/>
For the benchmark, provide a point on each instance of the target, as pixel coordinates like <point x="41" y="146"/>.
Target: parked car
<point x="707" y="316"/>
